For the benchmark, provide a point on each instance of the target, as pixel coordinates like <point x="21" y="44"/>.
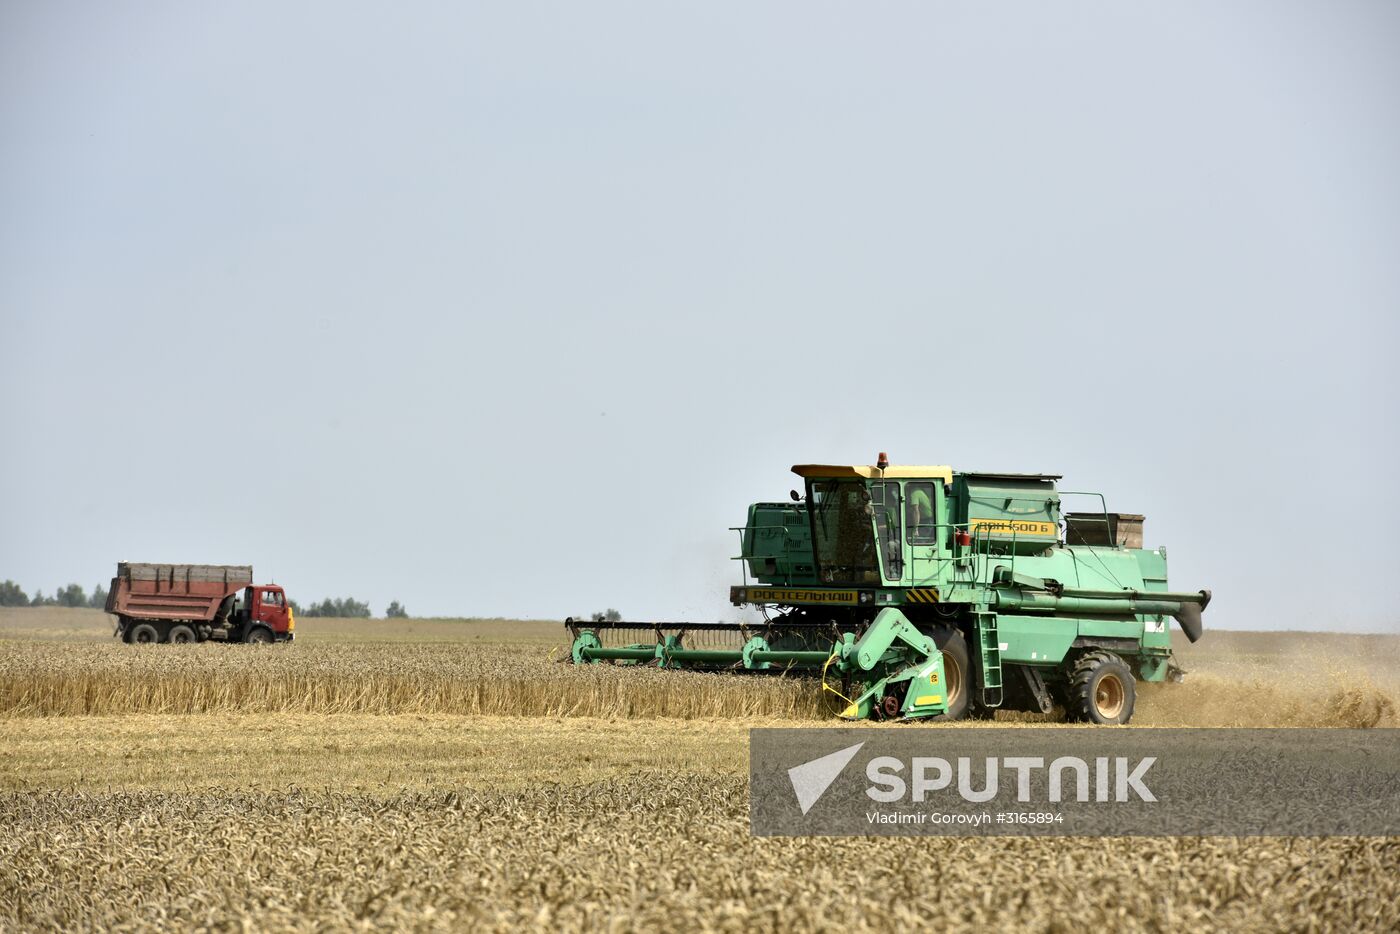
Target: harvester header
<point x="921" y="591"/>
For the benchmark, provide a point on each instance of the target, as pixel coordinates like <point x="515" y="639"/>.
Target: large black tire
<point x="143" y="634"/>
<point x="957" y="671"/>
<point x="125" y="628"/>
<point x="258" y="635"/>
<point x="181" y="635"/>
<point x="1100" y="690"/>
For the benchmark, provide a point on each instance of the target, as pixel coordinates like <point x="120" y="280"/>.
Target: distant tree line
<point x="347" y="608"/>
<point x="342" y="608"/>
<point x="12" y="594"/>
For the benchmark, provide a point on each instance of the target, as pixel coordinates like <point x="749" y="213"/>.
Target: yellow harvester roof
<point x="867" y="472"/>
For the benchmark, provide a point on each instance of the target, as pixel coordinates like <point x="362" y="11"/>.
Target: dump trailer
<point x="923" y="592"/>
<point x="197" y="602"/>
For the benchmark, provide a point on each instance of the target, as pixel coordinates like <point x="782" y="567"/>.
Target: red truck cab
<point x="267" y="606"/>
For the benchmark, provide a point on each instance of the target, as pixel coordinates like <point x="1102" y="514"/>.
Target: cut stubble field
<point x="445" y="774"/>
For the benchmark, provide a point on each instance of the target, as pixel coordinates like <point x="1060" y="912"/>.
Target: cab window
<point x="271" y="598"/>
<point x="884" y="497"/>
<point x="919" y="514"/>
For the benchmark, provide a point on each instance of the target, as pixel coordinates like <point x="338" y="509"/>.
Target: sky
<point x="511" y="309"/>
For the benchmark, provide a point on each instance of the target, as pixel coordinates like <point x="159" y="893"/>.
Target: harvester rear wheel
<point x="1100" y="689"/>
<point x="956" y="671"/>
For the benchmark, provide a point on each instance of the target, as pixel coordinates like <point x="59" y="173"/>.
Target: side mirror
<point x="795" y="496"/>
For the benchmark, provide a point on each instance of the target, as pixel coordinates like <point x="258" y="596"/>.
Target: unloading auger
<point x="919" y="592"/>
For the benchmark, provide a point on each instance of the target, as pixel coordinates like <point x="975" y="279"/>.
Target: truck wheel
<point x="124" y="627"/>
<point x="143" y="634"/>
<point x="181" y="635"/>
<point x="258" y="635"/>
<point x="957" y="672"/>
<point x="1100" y="689"/>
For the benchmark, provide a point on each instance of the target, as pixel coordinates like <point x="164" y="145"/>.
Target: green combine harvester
<point x="921" y="592"/>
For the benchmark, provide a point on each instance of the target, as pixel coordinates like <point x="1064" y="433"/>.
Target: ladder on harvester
<point x="989" y="652"/>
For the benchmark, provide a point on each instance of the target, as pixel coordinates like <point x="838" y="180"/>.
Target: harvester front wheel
<point x="956" y="671"/>
<point x="1100" y="689"/>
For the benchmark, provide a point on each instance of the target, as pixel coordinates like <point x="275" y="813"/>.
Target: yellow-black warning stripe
<point x="922" y="594"/>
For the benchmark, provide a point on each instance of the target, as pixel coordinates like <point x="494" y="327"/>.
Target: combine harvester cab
<point x="921" y="592"/>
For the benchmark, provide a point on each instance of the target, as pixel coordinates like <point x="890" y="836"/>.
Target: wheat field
<point x="502" y="667"/>
<point x="452" y="775"/>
